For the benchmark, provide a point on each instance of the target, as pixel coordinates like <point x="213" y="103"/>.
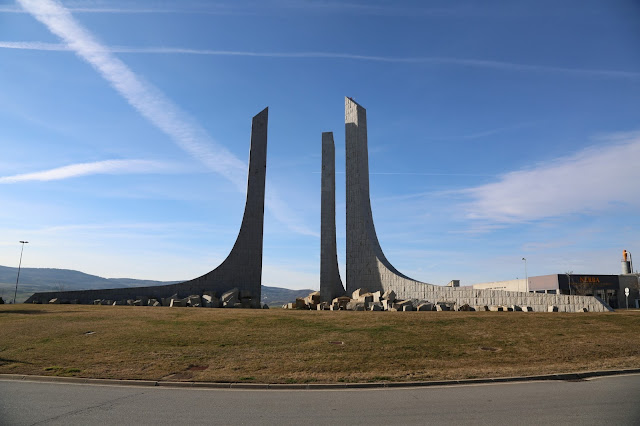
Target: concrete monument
<point x="241" y="270"/>
<point x="330" y="282"/>
<point x="368" y="268"/>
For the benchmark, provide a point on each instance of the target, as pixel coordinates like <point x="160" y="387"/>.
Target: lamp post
<point x="19" y="265"/>
<point x="568" y="273"/>
<point x="526" y="276"/>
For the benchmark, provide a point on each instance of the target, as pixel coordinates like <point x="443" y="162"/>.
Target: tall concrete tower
<point x="330" y="282"/>
<point x="243" y="266"/>
<point x="367" y="266"/>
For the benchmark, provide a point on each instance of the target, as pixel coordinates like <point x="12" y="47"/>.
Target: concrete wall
<point x="509" y="285"/>
<point x="242" y="269"/>
<point x="330" y="282"/>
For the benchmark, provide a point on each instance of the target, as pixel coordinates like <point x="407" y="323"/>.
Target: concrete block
<point x="389" y="295"/>
<point x="355" y="306"/>
<point x="54" y="301"/>
<point x="425" y="307"/>
<point x="376" y="306"/>
<point x="230" y="295"/>
<point x="359" y="292"/>
<point x="178" y="303"/>
<point x="194" y="300"/>
<point x="407" y="308"/>
<point x="552" y="309"/>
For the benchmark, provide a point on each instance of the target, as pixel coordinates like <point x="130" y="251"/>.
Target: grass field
<point x="282" y="346"/>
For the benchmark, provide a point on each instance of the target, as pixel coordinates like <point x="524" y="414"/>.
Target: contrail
<point x="150" y="102"/>
<point x="433" y="60"/>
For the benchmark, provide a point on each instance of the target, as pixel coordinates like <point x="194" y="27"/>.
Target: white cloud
<point x="84" y="169"/>
<point x="434" y="60"/>
<point x="594" y="179"/>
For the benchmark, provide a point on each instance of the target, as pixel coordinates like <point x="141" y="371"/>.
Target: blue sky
<point x="497" y="130"/>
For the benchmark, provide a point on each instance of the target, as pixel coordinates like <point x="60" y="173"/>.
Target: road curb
<point x="314" y="386"/>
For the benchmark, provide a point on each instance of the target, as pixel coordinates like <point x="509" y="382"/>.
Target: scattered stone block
<point x="375" y="306"/>
<point x="313" y="298"/>
<point x="406" y="308"/>
<point x="402" y="303"/>
<point x="377" y="296"/>
<point x="210" y="300"/>
<point x="342" y="301"/>
<point x="95" y="302"/>
<point x="300" y="303"/>
<point x="264" y="306"/>
<point x="465" y="308"/>
<point x="389" y="295"/>
<point x="232" y="295"/>
<point x="137" y="302"/>
<point x="366" y="298"/>
<point x="494" y="308"/>
<point x="552" y="309"/>
<point x="425" y="307"/>
<point x="354" y="305"/>
<point x="54" y="301"/>
<point x="359" y="292"/>
<point x="178" y="303"/>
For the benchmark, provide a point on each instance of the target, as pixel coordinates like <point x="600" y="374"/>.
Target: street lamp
<point x="526" y="276"/>
<point x="19" y="265"/>
<point x="568" y="274"/>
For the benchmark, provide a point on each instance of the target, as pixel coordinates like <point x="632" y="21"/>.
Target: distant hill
<point x="47" y="279"/>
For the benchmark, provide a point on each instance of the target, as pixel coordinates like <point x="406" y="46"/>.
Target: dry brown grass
<point x="280" y="346"/>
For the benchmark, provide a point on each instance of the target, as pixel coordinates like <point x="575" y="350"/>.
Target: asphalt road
<point x="608" y="400"/>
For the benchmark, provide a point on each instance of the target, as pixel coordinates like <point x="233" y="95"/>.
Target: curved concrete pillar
<point x="330" y="282"/>
<point x="243" y="266"/>
<point x="367" y="266"/>
<point x="241" y="269"/>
